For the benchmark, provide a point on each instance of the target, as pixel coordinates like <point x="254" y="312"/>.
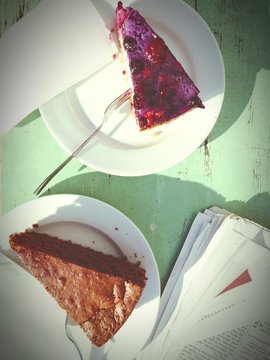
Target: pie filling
<point x="162" y="90"/>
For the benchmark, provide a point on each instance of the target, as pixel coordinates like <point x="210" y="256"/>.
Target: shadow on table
<point x="245" y="50"/>
<point x="34" y="115"/>
<point x="162" y="207"/>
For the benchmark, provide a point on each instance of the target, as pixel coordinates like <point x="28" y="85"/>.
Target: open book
<point x="216" y="304"/>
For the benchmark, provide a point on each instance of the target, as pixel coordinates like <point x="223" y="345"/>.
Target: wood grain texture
<point x="230" y="169"/>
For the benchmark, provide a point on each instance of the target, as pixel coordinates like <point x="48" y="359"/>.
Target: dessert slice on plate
<point x="98" y="291"/>
<point x="162" y="90"/>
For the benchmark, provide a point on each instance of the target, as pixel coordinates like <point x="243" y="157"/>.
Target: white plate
<point x="121" y="149"/>
<point x="96" y="224"/>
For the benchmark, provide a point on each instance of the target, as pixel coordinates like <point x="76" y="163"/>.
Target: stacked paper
<point x="216" y="302"/>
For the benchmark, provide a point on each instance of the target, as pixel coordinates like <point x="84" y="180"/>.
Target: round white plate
<point x="94" y="223"/>
<point x="121" y="149"/>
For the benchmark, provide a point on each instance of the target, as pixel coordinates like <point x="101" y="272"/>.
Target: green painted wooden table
<point x="231" y="169"/>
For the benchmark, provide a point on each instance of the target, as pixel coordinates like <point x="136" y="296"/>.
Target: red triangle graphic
<point x="240" y="280"/>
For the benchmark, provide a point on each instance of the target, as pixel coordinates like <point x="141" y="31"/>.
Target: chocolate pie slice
<point x="98" y="291"/>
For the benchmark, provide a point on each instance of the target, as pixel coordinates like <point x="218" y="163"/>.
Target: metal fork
<point x="70" y="337"/>
<point x="116" y="103"/>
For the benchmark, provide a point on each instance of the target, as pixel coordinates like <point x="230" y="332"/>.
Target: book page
<point x="186" y="259"/>
<point x="221" y="291"/>
<point x="248" y="342"/>
<point x="255" y="344"/>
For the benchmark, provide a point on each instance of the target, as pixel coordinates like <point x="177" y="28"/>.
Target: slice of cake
<point x="98" y="291"/>
<point x="162" y="90"/>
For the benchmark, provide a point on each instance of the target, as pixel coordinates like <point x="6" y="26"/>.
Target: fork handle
<point x="52" y="175"/>
<point x="117" y="102"/>
<point x="64" y="163"/>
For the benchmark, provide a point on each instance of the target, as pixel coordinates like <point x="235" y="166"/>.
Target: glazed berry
<point x="150" y="119"/>
<point x="147" y="73"/>
<point x="143" y="122"/>
<point x="120" y="5"/>
<point x="156" y="50"/>
<point x="137" y="101"/>
<point x="128" y="42"/>
<point x="147" y="92"/>
<point x="136" y="66"/>
<point x="168" y="92"/>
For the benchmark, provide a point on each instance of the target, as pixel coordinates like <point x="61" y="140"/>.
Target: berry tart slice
<point x="162" y="90"/>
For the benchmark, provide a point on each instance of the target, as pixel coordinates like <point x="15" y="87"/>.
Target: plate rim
<point x="153" y="288"/>
<point x="127" y="169"/>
